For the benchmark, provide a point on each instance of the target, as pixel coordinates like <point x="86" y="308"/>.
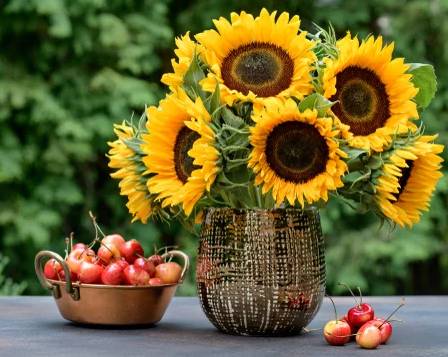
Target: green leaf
<point x="354" y="153"/>
<point x="424" y="78"/>
<point x="316" y="101"/>
<point x="134" y="145"/>
<point x="232" y="119"/>
<point x="375" y="162"/>
<point x="142" y="123"/>
<point x="213" y="102"/>
<point x="192" y="78"/>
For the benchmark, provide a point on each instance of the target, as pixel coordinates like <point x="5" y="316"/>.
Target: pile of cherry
<point x="116" y="262"/>
<point x="359" y="322"/>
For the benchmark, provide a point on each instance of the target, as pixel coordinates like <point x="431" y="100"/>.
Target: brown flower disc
<point x="183" y="163"/>
<point x="362" y="100"/>
<point x="296" y="151"/>
<point x="262" y="68"/>
<point x="403" y="180"/>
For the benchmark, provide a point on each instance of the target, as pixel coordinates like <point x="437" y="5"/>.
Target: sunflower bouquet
<point x="261" y="114"/>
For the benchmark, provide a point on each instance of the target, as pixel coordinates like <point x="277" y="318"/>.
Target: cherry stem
<point x="97" y="227"/>
<point x="166" y="247"/>
<point x="308" y="330"/>
<point x="84" y="251"/>
<point x="360" y="295"/>
<point x="67" y="245"/>
<point x="351" y="292"/>
<point x="395" y="320"/>
<point x="105" y="246"/>
<point x="352" y="334"/>
<point x="334" y="307"/>
<point x="393" y="312"/>
<point x="96" y="239"/>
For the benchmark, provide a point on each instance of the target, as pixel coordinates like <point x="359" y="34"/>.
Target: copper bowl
<point x="108" y="304"/>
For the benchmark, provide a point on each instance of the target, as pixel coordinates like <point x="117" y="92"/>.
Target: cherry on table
<point x="337" y="332"/>
<point x="385" y="328"/>
<point x="368" y="336"/>
<point x="361" y="313"/>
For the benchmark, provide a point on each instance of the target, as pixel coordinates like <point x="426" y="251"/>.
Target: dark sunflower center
<point x="296" y="151"/>
<point x="183" y="163"/>
<point x="403" y="180"/>
<point x="363" y="103"/>
<point x="263" y="68"/>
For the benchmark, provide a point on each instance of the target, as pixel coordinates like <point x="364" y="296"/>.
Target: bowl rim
<point x="112" y="287"/>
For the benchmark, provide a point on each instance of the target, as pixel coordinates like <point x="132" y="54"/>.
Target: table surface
<point x="32" y="326"/>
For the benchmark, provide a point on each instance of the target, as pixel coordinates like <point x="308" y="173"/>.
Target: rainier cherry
<point x="90" y="273"/>
<point x="359" y="314"/>
<point x="337" y="332"/>
<point x="385" y="328"/>
<point x="156" y="259"/>
<point x="115" y="239"/>
<point x="368" y="336"/>
<point x="131" y="250"/>
<point x="113" y="274"/>
<point x="155" y="281"/>
<point x="77" y="256"/>
<point x="384" y="325"/>
<point x="145" y="264"/>
<point x="169" y="272"/>
<point x="52" y="269"/>
<point x="135" y="276"/>
<point x="73" y="276"/>
<point x="79" y="246"/>
<point x="123" y="263"/>
<point x="108" y="252"/>
<point x="353" y="329"/>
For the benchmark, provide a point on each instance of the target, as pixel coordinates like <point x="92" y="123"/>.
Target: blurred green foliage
<point x="7" y="286"/>
<point x="70" y="69"/>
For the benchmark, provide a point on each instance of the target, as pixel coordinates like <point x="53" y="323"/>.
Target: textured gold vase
<point x="261" y="272"/>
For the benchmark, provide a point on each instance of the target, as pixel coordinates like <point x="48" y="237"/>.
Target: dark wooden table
<point x="31" y="326"/>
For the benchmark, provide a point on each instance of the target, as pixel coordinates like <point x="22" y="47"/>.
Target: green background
<point x="70" y="69"/>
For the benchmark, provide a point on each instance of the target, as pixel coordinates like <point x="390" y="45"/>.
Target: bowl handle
<point x="183" y="256"/>
<point x="38" y="266"/>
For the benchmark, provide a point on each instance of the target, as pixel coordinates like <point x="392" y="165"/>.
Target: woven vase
<point x="261" y="272"/>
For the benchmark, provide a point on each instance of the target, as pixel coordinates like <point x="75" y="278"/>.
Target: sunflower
<point x="253" y="59"/>
<point x="408" y="179"/>
<point x="173" y="133"/>
<point x="185" y="52"/>
<point x="124" y="160"/>
<point x="373" y="93"/>
<point x="295" y="153"/>
<point x="204" y="155"/>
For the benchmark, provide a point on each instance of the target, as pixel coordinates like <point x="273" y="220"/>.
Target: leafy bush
<point x="7" y="286"/>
